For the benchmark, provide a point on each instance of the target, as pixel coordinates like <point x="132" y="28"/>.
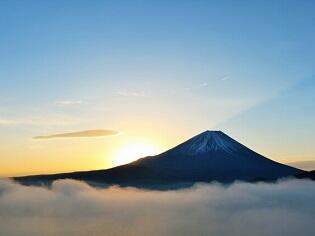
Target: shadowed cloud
<point x="80" y="134"/>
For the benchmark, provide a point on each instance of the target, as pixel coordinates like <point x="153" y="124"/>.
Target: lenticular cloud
<point x="74" y="208"/>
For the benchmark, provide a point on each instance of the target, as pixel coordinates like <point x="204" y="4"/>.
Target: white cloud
<point x="225" y="78"/>
<point x="43" y="120"/>
<point x="198" y="86"/>
<point x="68" y="102"/>
<point x="134" y="93"/>
<point x="242" y="209"/>
<point x="7" y="122"/>
<point x="204" y="84"/>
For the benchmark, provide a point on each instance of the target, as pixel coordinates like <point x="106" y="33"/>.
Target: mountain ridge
<point x="208" y="156"/>
<point x="207" y="141"/>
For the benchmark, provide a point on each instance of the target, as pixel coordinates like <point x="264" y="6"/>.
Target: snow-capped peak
<point x="208" y="141"/>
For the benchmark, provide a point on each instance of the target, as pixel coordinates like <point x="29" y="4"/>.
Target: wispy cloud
<point x="204" y="84"/>
<point x="80" y="134"/>
<point x="225" y="78"/>
<point x="43" y="120"/>
<point x="134" y="93"/>
<point x="7" y="122"/>
<point x="198" y="86"/>
<point x="68" y="102"/>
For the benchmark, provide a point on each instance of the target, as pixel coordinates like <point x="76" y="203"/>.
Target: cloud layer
<point x="74" y="208"/>
<point x="80" y="134"/>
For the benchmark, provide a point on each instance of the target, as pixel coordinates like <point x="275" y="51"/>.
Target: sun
<point x="133" y="151"/>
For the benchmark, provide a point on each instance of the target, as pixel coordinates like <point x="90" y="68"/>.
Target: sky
<point x="93" y="84"/>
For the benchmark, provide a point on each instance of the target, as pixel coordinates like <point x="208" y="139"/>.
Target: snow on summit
<point x="208" y="141"/>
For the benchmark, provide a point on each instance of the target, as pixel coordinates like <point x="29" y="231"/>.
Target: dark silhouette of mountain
<point x="209" y="156"/>
<point x="306" y="175"/>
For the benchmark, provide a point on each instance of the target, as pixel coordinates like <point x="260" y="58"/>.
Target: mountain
<point x="306" y="175"/>
<point x="209" y="156"/>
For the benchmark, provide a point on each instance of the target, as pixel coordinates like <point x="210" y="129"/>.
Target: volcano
<point x="209" y="156"/>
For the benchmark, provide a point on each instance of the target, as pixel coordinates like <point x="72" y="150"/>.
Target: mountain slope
<point x="209" y="156"/>
<point x="306" y="175"/>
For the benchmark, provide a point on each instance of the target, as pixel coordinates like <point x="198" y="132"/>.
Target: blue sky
<point x="159" y="68"/>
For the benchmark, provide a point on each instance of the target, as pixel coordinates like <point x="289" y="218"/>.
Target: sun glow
<point x="133" y="151"/>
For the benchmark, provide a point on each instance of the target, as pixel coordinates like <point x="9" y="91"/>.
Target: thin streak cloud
<point x="198" y="86"/>
<point x="80" y="134"/>
<point x="41" y="120"/>
<point x="68" y="103"/>
<point x="134" y="93"/>
<point x="225" y="78"/>
<point x="6" y="122"/>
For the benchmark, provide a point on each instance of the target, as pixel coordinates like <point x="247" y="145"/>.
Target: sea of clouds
<point x="74" y="208"/>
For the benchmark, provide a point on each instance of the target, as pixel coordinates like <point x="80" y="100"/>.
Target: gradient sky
<point x="157" y="72"/>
